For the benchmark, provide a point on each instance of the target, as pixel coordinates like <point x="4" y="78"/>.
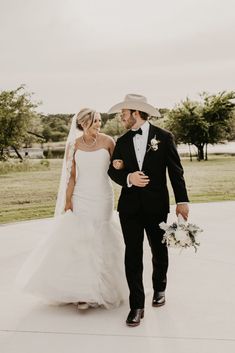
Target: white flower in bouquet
<point x="171" y="242"/>
<point x="181" y="234"/>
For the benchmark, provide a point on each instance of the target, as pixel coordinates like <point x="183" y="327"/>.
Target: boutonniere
<point x="153" y="144"/>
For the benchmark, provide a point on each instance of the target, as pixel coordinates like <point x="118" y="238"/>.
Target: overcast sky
<point x="77" y="53"/>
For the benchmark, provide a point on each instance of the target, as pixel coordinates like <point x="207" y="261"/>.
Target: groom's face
<point x="128" y="118"/>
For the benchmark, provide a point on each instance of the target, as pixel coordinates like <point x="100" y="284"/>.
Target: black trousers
<point x="133" y="227"/>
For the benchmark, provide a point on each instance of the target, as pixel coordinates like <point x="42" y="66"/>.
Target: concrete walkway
<point x="199" y="315"/>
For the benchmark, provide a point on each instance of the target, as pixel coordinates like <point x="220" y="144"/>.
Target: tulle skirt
<point x="80" y="260"/>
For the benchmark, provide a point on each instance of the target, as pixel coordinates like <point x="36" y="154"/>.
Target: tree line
<point x="209" y="120"/>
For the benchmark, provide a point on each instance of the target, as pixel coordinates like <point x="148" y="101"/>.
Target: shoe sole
<point x="157" y="305"/>
<point x="133" y="325"/>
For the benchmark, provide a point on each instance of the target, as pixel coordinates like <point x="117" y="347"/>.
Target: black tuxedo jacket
<point x="154" y="197"/>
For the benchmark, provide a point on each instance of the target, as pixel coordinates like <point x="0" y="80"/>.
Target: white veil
<point x="74" y="133"/>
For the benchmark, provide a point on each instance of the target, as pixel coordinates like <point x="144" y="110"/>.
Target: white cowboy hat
<point x="135" y="102"/>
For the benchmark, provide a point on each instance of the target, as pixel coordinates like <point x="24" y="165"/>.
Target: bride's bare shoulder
<point x="107" y="140"/>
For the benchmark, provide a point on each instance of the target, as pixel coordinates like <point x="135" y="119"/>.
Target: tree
<point x="188" y="125"/>
<point x="16" y="114"/>
<point x="232" y="134"/>
<point x="160" y="121"/>
<point x="113" y="126"/>
<point x="34" y="132"/>
<point x="202" y="123"/>
<point x="218" y="111"/>
<point x="105" y="117"/>
<point x="56" y="126"/>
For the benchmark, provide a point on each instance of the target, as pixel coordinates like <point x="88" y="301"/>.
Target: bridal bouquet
<point x="181" y="234"/>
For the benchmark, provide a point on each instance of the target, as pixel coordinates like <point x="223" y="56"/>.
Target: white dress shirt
<point x="140" y="143"/>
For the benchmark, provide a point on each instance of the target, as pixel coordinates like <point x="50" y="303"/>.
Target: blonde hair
<point x="85" y="116"/>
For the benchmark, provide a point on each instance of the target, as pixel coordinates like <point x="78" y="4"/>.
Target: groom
<point x="139" y="163"/>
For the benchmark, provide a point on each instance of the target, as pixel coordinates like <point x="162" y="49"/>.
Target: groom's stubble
<point x="128" y="119"/>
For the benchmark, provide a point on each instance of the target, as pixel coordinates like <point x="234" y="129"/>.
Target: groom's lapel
<point x="151" y="135"/>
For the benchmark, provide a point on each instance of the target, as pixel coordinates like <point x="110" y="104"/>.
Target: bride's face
<point x="94" y="129"/>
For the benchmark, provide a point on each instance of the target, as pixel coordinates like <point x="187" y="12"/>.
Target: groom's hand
<point x="139" y="179"/>
<point x="183" y="209"/>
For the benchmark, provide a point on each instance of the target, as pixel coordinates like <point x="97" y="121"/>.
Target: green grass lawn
<point x="212" y="180"/>
<point x="32" y="194"/>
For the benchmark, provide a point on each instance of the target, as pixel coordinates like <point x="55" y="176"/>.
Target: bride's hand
<point x="68" y="206"/>
<point x="118" y="164"/>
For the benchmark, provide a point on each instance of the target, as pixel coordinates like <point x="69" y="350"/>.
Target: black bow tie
<point x="134" y="132"/>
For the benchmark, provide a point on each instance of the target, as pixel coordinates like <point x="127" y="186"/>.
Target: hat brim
<point x="140" y="106"/>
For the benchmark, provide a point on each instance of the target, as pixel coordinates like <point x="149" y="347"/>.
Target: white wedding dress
<point x="82" y="259"/>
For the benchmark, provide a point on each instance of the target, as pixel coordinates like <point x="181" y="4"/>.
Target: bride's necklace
<point x="91" y="144"/>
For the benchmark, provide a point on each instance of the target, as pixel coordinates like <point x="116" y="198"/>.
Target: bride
<point x="81" y="261"/>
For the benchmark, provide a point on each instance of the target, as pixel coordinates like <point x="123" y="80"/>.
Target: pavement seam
<point x="118" y="335"/>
